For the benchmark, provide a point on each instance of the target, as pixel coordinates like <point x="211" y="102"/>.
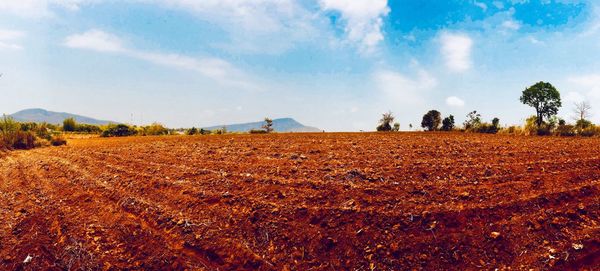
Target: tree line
<point x="542" y="96"/>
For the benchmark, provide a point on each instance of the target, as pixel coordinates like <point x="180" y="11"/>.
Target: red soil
<point x="367" y="201"/>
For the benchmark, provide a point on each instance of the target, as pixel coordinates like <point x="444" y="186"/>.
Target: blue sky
<point x="334" y="64"/>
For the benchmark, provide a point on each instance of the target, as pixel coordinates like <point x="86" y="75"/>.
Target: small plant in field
<point x="385" y="123"/>
<point x="192" y="131"/>
<point x="565" y="130"/>
<point x="431" y="120"/>
<point x="473" y="121"/>
<point x="69" y="125"/>
<point x="58" y="140"/>
<point x="258" y="131"/>
<point x="154" y="129"/>
<point x="268" y="126"/>
<point x="118" y="130"/>
<point x="396" y="127"/>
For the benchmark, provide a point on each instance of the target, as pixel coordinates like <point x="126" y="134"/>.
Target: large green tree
<point x="545" y="98"/>
<point x="431" y="121"/>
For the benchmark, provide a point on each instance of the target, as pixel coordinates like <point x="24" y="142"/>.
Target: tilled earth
<point x="389" y="201"/>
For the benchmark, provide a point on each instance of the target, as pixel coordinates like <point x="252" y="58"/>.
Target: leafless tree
<point x="582" y="110"/>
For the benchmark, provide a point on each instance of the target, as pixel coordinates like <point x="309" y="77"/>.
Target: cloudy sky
<point x="334" y="64"/>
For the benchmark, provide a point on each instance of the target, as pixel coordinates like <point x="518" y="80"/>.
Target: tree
<point x="582" y="110"/>
<point x="268" y="126"/>
<point x="192" y="131"/>
<point x="448" y="123"/>
<point x="544" y="98"/>
<point x="496" y="123"/>
<point x="431" y="121"/>
<point x="396" y="127"/>
<point x="69" y="125"/>
<point x="473" y="120"/>
<point x="385" y="123"/>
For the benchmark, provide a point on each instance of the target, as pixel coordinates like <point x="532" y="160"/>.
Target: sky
<point x="334" y="64"/>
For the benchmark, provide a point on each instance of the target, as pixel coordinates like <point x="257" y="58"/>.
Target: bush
<point x="87" y="128"/>
<point x="69" y="125"/>
<point x="473" y="121"/>
<point x="565" y="130"/>
<point x="12" y="136"/>
<point x="583" y="124"/>
<point x="485" y="128"/>
<point x="192" y="131"/>
<point x="118" y="130"/>
<point x="258" y="131"/>
<point x="23" y="140"/>
<point x="58" y="141"/>
<point x="543" y="131"/>
<point x="154" y="129"/>
<point x="590" y="131"/>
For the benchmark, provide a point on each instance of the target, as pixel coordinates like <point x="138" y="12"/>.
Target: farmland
<point x="325" y="201"/>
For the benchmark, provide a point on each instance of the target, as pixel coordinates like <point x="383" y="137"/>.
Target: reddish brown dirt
<point x="303" y="202"/>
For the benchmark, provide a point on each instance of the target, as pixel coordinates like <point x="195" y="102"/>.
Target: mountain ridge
<point x="279" y="125"/>
<point x="43" y="115"/>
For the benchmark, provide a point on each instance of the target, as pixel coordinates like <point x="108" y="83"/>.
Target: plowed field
<point x="365" y="201"/>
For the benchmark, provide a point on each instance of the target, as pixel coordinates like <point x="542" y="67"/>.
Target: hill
<point x="41" y="115"/>
<point x="279" y="125"/>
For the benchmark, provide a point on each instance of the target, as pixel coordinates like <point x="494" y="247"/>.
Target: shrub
<point x="583" y="124"/>
<point x="192" y="131"/>
<point x="87" y="128"/>
<point x="544" y="131"/>
<point x="12" y="137"/>
<point x="118" y="130"/>
<point x="396" y="127"/>
<point x="565" y="130"/>
<point x="258" y="131"/>
<point x="69" y="125"/>
<point x="24" y="140"/>
<point x="58" y="141"/>
<point x="512" y="130"/>
<point x="592" y="130"/>
<point x="154" y="129"/>
<point x="385" y="123"/>
<point x="268" y="126"/>
<point x="473" y="121"/>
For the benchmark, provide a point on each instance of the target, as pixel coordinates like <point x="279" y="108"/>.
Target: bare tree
<point x="582" y="110"/>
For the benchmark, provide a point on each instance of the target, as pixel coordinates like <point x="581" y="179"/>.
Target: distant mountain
<point x="279" y="125"/>
<point x="41" y="115"/>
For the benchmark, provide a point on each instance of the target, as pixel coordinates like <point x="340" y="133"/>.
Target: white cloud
<point x="481" y="5"/>
<point x="589" y="83"/>
<point x="95" y="40"/>
<point x="36" y="8"/>
<point x="585" y="87"/>
<point x="217" y="69"/>
<point x="454" y="101"/>
<point x="498" y="4"/>
<point x="254" y="26"/>
<point x="363" y="18"/>
<point x="511" y="25"/>
<point x="456" y="49"/>
<point x="574" y="97"/>
<point x="9" y="39"/>
<point x="402" y="88"/>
